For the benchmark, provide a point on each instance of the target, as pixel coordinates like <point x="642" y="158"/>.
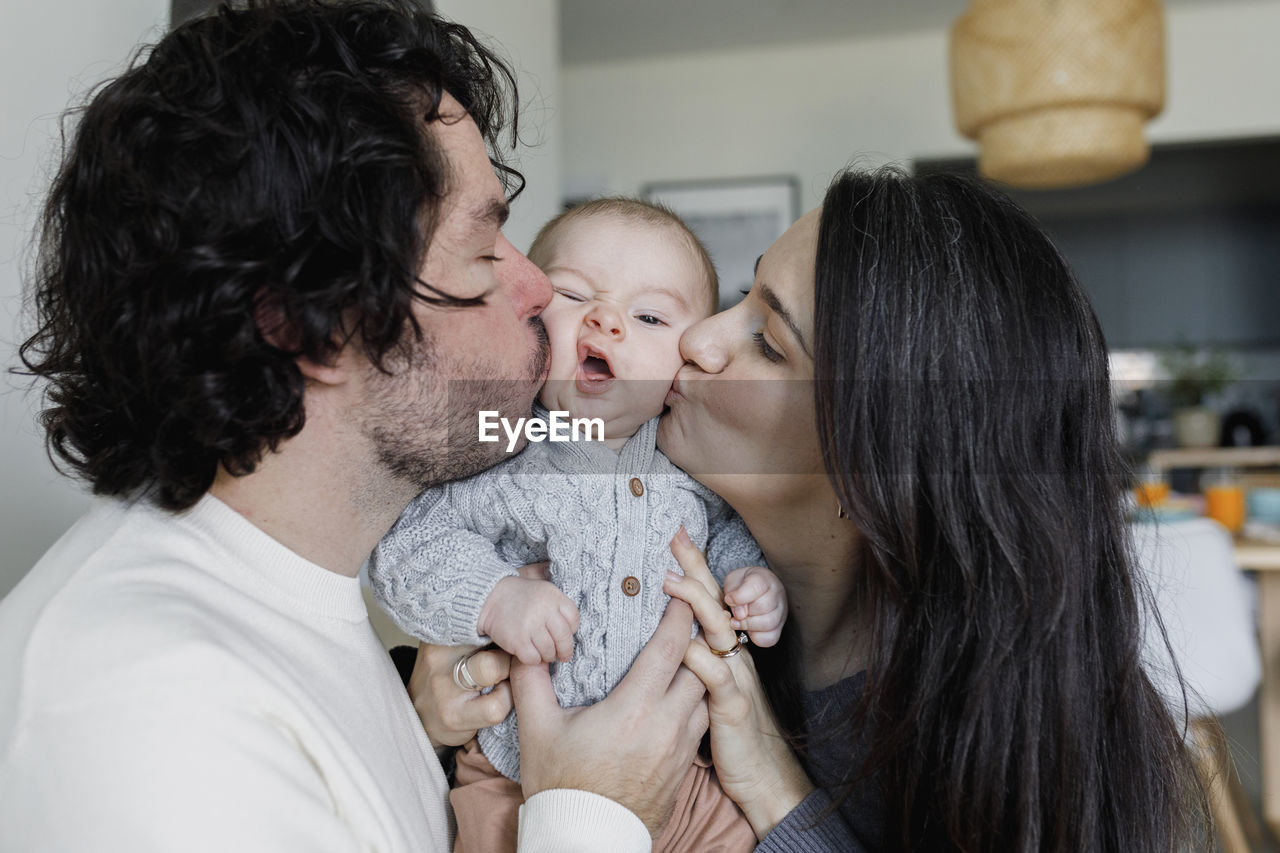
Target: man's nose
<point x="529" y="287"/>
<point x="606" y="320"/>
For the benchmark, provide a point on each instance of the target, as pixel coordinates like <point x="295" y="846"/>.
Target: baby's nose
<point x="606" y="321"/>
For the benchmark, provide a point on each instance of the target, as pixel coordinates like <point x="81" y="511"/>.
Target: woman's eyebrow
<point x="768" y="297"/>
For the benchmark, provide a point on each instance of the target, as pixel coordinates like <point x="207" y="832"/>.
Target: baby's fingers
<point x="569" y="612"/>
<point x="771" y="603"/>
<point x="562" y="634"/>
<point x="743" y="586"/>
<point x="764" y="637"/>
<point x="528" y="653"/>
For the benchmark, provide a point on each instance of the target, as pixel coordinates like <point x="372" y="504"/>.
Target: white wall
<point x="807" y="110"/>
<point x="528" y="33"/>
<point x="48" y="57"/>
<point x="46" y="60"/>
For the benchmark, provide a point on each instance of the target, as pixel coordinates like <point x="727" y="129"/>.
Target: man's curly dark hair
<point x="268" y="161"/>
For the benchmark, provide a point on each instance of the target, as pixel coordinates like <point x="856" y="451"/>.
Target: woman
<point x="911" y="412"/>
<point x="943" y="505"/>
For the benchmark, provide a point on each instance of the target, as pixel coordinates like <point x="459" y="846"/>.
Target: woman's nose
<point x="606" y="320"/>
<point x="703" y="345"/>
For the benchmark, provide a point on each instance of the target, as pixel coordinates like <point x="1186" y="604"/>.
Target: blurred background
<point x="738" y="113"/>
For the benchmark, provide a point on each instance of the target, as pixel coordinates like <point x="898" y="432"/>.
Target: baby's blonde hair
<point x="635" y="210"/>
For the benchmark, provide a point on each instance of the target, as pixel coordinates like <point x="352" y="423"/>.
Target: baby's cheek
<point x="666" y="361"/>
<point x="647" y="399"/>
<point x="564" y="351"/>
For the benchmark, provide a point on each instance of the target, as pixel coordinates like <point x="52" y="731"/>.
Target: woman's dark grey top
<point x="812" y="827"/>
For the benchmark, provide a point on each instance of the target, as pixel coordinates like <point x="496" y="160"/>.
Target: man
<point x="273" y="292"/>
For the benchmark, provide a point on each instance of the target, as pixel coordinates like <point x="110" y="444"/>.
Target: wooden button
<point x="630" y="585"/>
<point x="637" y="488"/>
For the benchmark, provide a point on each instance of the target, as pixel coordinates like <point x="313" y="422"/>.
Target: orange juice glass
<point x="1224" y="500"/>
<point x="1225" y="504"/>
<point x="1153" y="487"/>
<point x="1152" y="493"/>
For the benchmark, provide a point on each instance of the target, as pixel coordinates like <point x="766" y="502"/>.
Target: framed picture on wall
<point x="736" y="219"/>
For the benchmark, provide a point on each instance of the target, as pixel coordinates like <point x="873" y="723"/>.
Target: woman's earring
<point x="840" y="513"/>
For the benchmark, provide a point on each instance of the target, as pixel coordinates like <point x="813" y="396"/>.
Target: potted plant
<point x="1195" y="374"/>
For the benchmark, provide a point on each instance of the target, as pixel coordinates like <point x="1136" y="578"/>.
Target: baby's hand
<point x="531" y="619"/>
<point x="758" y="602"/>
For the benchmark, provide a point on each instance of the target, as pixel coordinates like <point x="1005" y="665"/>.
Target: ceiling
<point x="602" y="30"/>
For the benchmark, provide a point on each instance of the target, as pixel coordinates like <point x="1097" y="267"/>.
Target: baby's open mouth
<point x="596" y="368"/>
<point x="594" y="373"/>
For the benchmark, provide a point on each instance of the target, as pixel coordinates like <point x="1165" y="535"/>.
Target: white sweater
<point x="185" y="682"/>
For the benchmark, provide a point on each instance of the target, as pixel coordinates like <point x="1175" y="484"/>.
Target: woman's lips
<point x="674" y="393"/>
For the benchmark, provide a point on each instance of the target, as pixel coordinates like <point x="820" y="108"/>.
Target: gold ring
<point x="737" y="647"/>
<point x="462" y="676"/>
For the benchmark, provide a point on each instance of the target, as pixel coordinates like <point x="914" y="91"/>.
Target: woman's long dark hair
<point x="964" y="413"/>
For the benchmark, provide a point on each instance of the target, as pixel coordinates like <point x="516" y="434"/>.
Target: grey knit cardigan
<point x="603" y="519"/>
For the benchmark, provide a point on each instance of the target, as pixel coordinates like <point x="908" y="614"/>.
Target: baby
<point x="629" y="277"/>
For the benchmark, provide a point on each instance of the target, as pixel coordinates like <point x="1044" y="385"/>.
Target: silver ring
<point x="462" y="676"/>
<point x="742" y="638"/>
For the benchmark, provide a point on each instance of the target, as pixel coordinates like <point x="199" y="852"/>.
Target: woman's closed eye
<point x="765" y="350"/>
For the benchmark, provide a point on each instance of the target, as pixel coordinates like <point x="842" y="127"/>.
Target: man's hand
<point x="531" y="619"/>
<point x="758" y="602"/>
<point x="633" y="747"/>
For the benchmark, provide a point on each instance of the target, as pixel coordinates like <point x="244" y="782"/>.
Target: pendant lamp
<point x="1056" y="92"/>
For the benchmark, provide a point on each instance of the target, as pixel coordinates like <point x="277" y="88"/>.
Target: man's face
<point x="422" y="419"/>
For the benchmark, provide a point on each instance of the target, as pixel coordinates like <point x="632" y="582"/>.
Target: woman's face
<point x="741" y="416"/>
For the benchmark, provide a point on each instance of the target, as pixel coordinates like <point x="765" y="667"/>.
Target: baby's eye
<point x="649" y="320"/>
<point x="569" y="294"/>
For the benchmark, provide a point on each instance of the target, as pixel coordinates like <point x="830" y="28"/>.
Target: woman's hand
<point x="753" y="761"/>
<point x="450" y="714"/>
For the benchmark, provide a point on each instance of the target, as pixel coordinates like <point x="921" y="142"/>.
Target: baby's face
<point x="624" y="293"/>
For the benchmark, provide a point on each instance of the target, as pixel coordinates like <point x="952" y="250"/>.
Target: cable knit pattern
<point x="571" y="503"/>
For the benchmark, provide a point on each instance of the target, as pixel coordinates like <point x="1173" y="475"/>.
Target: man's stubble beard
<point x="427" y="436"/>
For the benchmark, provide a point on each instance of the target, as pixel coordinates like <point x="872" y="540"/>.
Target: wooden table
<point x="1265" y="560"/>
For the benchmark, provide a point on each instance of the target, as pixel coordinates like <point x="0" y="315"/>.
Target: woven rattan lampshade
<point x="1056" y="92"/>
